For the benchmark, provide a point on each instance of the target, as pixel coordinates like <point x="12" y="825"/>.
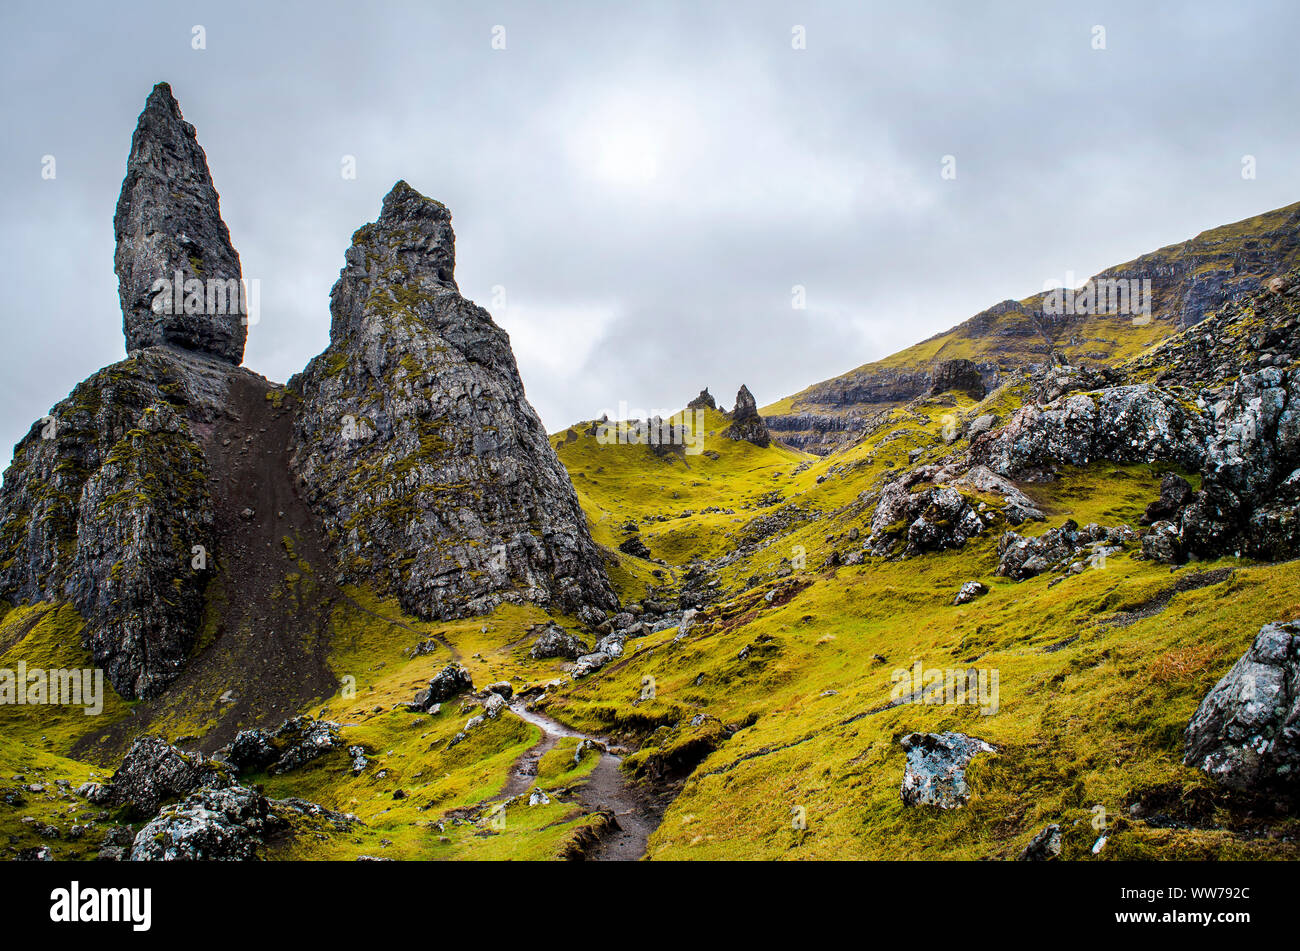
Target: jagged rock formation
<point x="418" y="447"/>
<point x="107" y="502"/>
<point x="746" y="424"/>
<point x="104" y="504"/>
<point x="1246" y="732"/>
<point x="168" y="228"/>
<point x="704" y="401"/>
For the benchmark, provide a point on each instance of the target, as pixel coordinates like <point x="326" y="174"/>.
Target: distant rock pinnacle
<point x="178" y="275"/>
<point x="704" y="401"/>
<point x="746" y="424"/>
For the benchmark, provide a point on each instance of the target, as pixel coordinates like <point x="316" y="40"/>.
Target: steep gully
<point x="267" y="659"/>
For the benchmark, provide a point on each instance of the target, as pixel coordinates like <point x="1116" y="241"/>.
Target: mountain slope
<point x="1187" y="281"/>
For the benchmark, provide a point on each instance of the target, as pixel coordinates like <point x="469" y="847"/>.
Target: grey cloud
<point x="646" y="181"/>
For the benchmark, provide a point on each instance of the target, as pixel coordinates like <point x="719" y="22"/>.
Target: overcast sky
<point x="646" y="181"/>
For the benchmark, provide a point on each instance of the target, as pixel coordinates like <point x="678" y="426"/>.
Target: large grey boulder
<point x="228" y="825"/>
<point x="936" y="768"/>
<point x="555" y="641"/>
<point x="1246" y="732"/>
<point x="447" y="683"/>
<point x="168" y="226"/>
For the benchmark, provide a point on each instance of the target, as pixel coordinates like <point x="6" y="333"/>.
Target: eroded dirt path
<point x="636" y="810"/>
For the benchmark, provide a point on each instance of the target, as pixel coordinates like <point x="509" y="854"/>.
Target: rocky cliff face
<point x="418" y="448"/>
<point x="107" y="502"/>
<point x="178" y="274"/>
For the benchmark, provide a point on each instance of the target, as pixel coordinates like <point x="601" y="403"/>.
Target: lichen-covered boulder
<point x="555" y="641"/>
<point x="1138" y="423"/>
<point x="935" y="774"/>
<point x="215" y="825"/>
<point x="1246" y="732"/>
<point x="928" y="520"/>
<point x="154" y="772"/>
<point x="450" y="681"/>
<point x="418" y="448"/>
<point x="1250" y="494"/>
<point x="228" y="825"/>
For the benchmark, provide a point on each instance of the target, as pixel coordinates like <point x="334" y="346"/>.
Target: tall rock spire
<point x="417" y="445"/>
<point x="179" y="278"/>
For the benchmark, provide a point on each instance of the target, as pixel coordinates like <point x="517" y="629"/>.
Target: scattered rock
<point x="936" y="768"/>
<point x="1043" y="847"/>
<point x="969" y="592"/>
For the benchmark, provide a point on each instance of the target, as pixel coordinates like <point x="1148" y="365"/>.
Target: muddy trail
<point x="635" y="811"/>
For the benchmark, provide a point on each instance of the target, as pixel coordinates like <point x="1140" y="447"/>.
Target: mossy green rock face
<point x="420" y="452"/>
<point x="104" y="504"/>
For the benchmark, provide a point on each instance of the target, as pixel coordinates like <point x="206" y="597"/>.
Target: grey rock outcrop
<point x="154" y="772"/>
<point x="555" y="641"/>
<point x="1251" y="485"/>
<point x="294" y="743"/>
<point x="936" y="768"/>
<point x="1122" y="424"/>
<point x="418" y="448"/>
<point x="704" y="401"/>
<point x="1246" y="732"/>
<point x="746" y="423"/>
<point x="450" y="681"/>
<point x="964" y="376"/>
<point x="931" y="519"/>
<point x="168" y="225"/>
<point x="1021" y="557"/>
